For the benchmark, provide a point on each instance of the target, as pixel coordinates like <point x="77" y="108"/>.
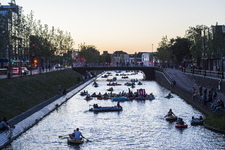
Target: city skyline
<point x="128" y="25"/>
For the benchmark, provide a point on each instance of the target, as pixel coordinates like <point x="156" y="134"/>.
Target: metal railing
<point x="165" y="74"/>
<point x="215" y="74"/>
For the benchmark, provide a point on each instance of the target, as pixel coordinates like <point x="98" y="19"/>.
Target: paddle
<point x="62" y="136"/>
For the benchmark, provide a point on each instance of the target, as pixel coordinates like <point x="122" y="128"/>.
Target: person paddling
<point x="78" y="134"/>
<point x="170" y="113"/>
<point x="118" y="104"/>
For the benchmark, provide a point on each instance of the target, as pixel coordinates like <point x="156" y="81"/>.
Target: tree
<point x="90" y="53"/>
<point x="181" y="49"/>
<point x="163" y="50"/>
<point x="194" y="34"/>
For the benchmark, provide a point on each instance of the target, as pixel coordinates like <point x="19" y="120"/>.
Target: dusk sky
<point x="127" y="25"/>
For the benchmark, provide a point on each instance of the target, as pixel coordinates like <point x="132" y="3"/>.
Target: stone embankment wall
<point x="206" y="81"/>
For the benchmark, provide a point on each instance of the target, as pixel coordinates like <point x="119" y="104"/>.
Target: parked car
<point x="57" y="66"/>
<point x="24" y="70"/>
<point x="16" y="70"/>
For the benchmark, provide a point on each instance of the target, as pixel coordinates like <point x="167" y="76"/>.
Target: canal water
<point x="141" y="124"/>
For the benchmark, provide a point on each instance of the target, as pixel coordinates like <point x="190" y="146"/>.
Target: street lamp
<point x="152" y="54"/>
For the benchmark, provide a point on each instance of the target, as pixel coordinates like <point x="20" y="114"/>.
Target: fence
<point x="215" y="74"/>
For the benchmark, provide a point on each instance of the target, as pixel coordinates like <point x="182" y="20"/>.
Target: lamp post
<point x="152" y="55"/>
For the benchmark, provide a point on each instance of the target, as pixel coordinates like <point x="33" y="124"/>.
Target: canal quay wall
<point x="28" y="119"/>
<point x="186" y="94"/>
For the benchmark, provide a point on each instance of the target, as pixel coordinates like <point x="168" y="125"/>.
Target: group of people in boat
<point x="180" y="120"/>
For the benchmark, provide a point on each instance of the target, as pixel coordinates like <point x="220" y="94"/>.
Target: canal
<point x="141" y="124"/>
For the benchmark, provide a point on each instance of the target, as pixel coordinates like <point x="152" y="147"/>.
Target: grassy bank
<point x="22" y="93"/>
<point x="216" y="121"/>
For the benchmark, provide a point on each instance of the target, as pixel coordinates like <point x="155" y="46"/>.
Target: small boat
<point x="139" y="83"/>
<point x="83" y="93"/>
<point x="133" y="80"/>
<point x="113" y="84"/>
<point x="96" y="85"/>
<point x="124" y="77"/>
<point x="128" y="84"/>
<point x="120" y="99"/>
<point x="171" y="118"/>
<point x="110" y="89"/>
<point x="169" y="96"/>
<point x="96" y="95"/>
<point x="88" y="98"/>
<point x="106" y="109"/>
<point x="132" y="98"/>
<point x="178" y="125"/>
<point x="74" y="141"/>
<point x="103" y="97"/>
<point x="140" y="98"/>
<point x="196" y="122"/>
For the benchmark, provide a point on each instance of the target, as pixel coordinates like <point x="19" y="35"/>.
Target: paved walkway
<point x="183" y="81"/>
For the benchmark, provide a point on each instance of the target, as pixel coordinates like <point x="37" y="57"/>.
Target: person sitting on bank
<point x="170" y="113"/>
<point x="4" y="125"/>
<point x="221" y="105"/>
<point x="78" y="134"/>
<point x="64" y="92"/>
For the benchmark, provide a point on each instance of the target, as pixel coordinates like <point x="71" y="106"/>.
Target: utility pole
<point x="152" y="55"/>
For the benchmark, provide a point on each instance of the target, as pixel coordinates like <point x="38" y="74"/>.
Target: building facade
<point x="14" y="40"/>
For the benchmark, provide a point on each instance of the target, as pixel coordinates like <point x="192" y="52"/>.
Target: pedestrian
<point x="59" y="88"/>
<point x="200" y="90"/>
<point x="83" y="78"/>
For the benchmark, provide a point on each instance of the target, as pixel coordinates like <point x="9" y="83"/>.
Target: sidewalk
<point x="185" y="83"/>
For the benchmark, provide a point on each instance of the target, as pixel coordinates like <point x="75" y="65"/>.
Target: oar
<point x="62" y="136"/>
<point x="87" y="140"/>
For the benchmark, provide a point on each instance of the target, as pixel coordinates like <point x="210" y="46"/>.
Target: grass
<point x="19" y="94"/>
<point x="216" y="120"/>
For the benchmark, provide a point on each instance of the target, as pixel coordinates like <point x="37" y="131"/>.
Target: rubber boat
<point x="171" y="118"/>
<point x="74" y="141"/>
<point x="196" y="122"/>
<point x="113" y="84"/>
<point x="171" y="96"/>
<point x="177" y="125"/>
<point x="134" y="80"/>
<point x="103" y="97"/>
<point x="120" y="99"/>
<point x="106" y="109"/>
<point x="83" y="93"/>
<point x="110" y="89"/>
<point x="95" y="95"/>
<point x="96" y="85"/>
<point x="139" y="83"/>
<point x="140" y="98"/>
<point x="88" y="98"/>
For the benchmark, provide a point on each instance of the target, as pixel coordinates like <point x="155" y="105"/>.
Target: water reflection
<point x="141" y="124"/>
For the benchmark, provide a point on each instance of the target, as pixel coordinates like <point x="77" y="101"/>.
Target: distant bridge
<point x="148" y="71"/>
